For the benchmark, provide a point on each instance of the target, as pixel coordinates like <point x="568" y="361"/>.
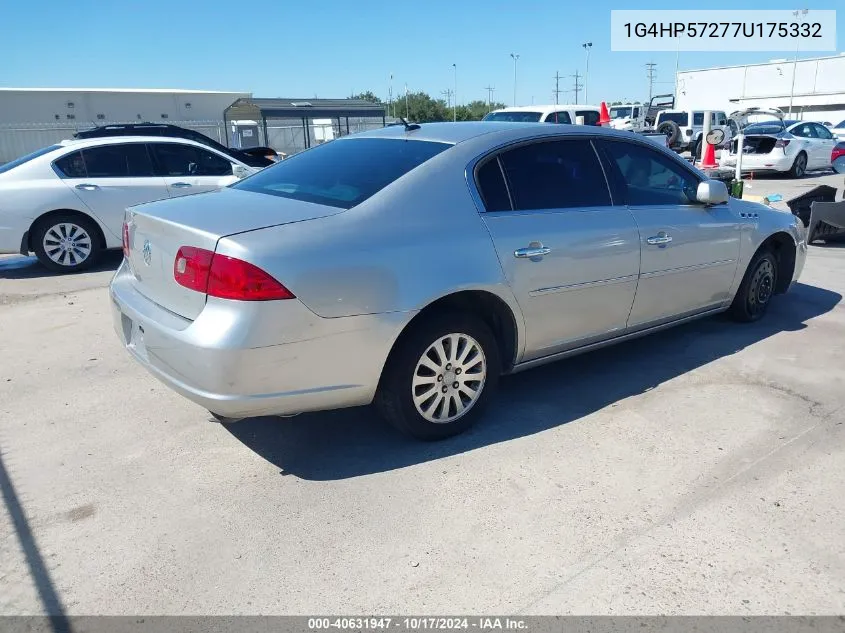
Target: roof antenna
<point x="409" y="127"/>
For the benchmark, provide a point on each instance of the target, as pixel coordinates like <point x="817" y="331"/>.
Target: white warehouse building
<point x="818" y="94"/>
<point x="34" y="117"/>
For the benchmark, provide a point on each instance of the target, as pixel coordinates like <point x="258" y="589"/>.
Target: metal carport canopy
<point x="295" y="108"/>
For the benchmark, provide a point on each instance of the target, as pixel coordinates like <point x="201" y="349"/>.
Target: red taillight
<point x="837" y="152"/>
<point x="225" y="277"/>
<point x="125" y="239"/>
<point x="191" y="267"/>
<point x="782" y="142"/>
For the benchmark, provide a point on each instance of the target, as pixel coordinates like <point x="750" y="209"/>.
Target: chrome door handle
<point x="659" y="239"/>
<point x="532" y="251"/>
<point x="180" y="185"/>
<point x="85" y="187"/>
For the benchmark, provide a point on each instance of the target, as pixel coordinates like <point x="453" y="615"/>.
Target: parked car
<point x="639" y="117"/>
<point x="546" y="114"/>
<point x="685" y="128"/>
<point x="253" y="156"/>
<point x="838" y="130"/>
<point x="66" y="202"/>
<point x="412" y="266"/>
<point x="837" y="157"/>
<point x="790" y="147"/>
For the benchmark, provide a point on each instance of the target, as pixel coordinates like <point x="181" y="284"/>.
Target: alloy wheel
<point x="67" y="244"/>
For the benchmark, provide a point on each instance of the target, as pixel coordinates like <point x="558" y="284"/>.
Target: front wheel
<point x="757" y="287"/>
<point x="440" y="377"/>
<point x="66" y="243"/>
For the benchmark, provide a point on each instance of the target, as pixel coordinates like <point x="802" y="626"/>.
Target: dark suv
<point x="254" y="156"/>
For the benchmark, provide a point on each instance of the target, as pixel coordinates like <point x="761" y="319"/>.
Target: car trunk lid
<point x="157" y="231"/>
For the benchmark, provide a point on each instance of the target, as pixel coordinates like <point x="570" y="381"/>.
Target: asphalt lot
<point x="696" y="471"/>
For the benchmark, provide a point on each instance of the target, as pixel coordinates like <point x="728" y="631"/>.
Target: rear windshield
<point x="342" y="173"/>
<point x="514" y="117"/>
<point x="25" y="159"/>
<point x="767" y="127"/>
<point x="681" y="118"/>
<point x="620" y="113"/>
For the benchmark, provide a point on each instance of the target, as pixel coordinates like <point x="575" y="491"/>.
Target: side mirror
<point x="712" y="192"/>
<point x="240" y="171"/>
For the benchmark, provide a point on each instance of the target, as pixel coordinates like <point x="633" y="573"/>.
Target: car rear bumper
<point x="246" y="359"/>
<point x="760" y="162"/>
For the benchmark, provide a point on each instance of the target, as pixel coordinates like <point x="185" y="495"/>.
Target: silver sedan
<point x="412" y="266"/>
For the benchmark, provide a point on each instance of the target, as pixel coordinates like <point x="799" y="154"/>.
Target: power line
<point x="490" y="90"/>
<point x="448" y="94"/>
<point x="557" y="89"/>
<point x="651" y="73"/>
<point x="578" y="85"/>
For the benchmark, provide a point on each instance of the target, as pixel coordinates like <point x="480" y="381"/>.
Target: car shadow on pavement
<point x="353" y="442"/>
<point x="21" y="267"/>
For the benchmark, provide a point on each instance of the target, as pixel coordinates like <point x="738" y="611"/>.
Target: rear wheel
<point x="66" y="242"/>
<point x="440" y="377"/>
<point x="799" y="167"/>
<point x="757" y="287"/>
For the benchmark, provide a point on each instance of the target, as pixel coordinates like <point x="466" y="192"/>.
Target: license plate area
<point x="133" y="333"/>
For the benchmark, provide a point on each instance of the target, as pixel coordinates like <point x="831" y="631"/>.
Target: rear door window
<point x="71" y="166"/>
<point x="176" y="159"/>
<point x="591" y="117"/>
<point x="805" y="130"/>
<point x="118" y="161"/>
<point x="342" y="173"/>
<point x="492" y="187"/>
<point x="561" y="116"/>
<point x="555" y="175"/>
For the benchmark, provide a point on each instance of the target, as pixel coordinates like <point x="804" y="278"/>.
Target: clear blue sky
<point x="330" y="48"/>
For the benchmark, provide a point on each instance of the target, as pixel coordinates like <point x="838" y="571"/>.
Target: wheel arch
<point x="785" y="250"/>
<point x="44" y="217"/>
<point x="502" y="319"/>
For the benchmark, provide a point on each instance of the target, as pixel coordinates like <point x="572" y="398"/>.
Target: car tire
<point x="799" y="167"/>
<point x="67" y="242"/>
<point x="430" y="360"/>
<point x="757" y="288"/>
<point x="672" y="131"/>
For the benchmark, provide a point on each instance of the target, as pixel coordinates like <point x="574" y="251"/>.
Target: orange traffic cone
<point x="604" y="115"/>
<point x="709" y="158"/>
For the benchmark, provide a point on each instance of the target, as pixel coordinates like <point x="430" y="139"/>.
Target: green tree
<point x="419" y="107"/>
<point x="475" y="110"/>
<point x="367" y="96"/>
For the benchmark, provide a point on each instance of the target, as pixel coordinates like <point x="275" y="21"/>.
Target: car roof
<point x="454" y="133"/>
<point x="115" y="140"/>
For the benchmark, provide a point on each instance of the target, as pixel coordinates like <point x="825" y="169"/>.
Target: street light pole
<point x="515" y="59"/>
<point x="802" y="13"/>
<point x="455" y="108"/>
<point x="587" y="46"/>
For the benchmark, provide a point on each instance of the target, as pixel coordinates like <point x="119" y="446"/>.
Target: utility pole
<point x="800" y="15"/>
<point x="490" y="90"/>
<point x="390" y="98"/>
<point x="587" y="47"/>
<point x="650" y="72"/>
<point x="578" y="85"/>
<point x="448" y="94"/>
<point x="557" y="87"/>
<point x="455" y="108"/>
<point x="515" y="57"/>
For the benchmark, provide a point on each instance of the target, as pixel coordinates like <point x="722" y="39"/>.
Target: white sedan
<point x="66" y="202"/>
<point x="791" y="147"/>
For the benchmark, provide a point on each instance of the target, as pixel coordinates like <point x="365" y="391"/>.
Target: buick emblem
<point x="148" y="252"/>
